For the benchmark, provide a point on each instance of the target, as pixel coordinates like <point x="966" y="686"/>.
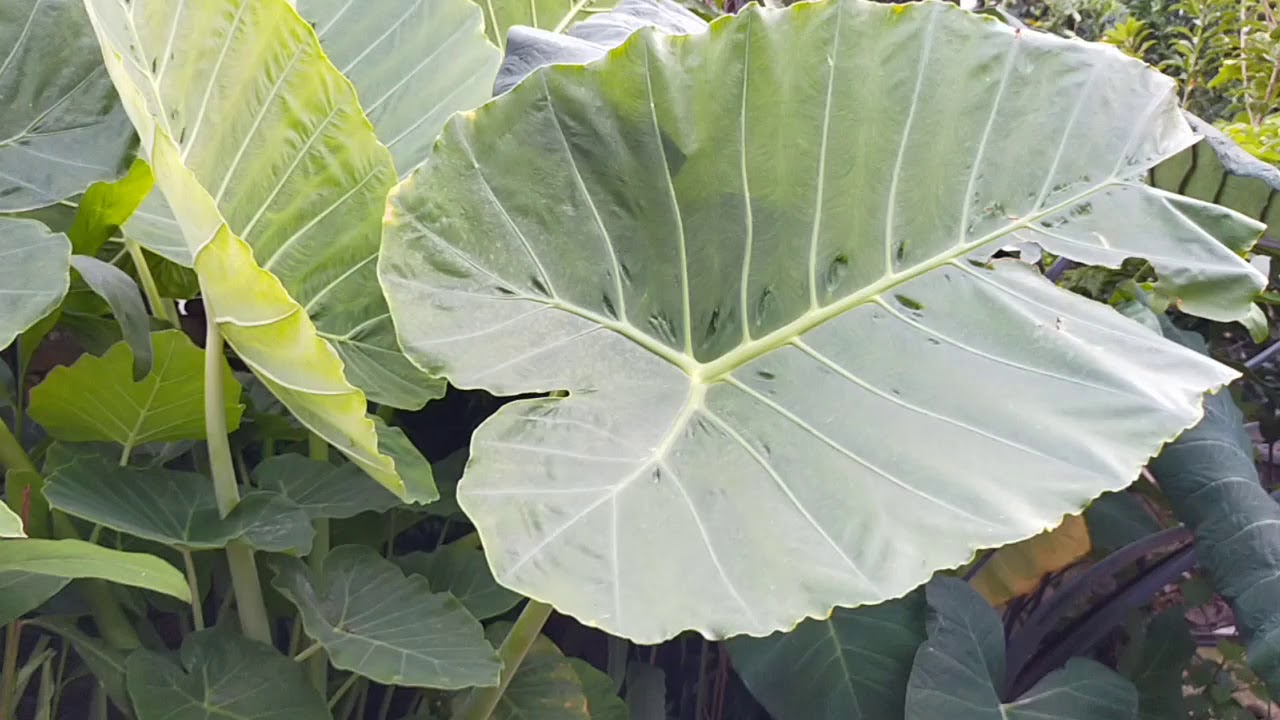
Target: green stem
<point x="347" y="684"/>
<point x="160" y="307"/>
<point x="482" y="700"/>
<point x="193" y="583"/>
<point x="9" y="671"/>
<point x="309" y="653"/>
<point x="318" y="668"/>
<point x="250" y="605"/>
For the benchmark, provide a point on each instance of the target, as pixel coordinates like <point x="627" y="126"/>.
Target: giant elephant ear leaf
<point x="61" y="124"/>
<point x="278" y="184"/>
<point x="726" y="260"/>
<point x="34" y="266"/>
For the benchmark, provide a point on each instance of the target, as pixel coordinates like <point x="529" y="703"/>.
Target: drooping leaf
<point x="221" y="674"/>
<point x="78" y="559"/>
<point x="278" y="184"/>
<point x="96" y="399"/>
<point x="413" y="63"/>
<point x="122" y="294"/>
<point x="33" y="274"/>
<point x="21" y="592"/>
<point x="724" y="259"/>
<point x="321" y="489"/>
<point x="531" y="48"/>
<point x="958" y="669"/>
<point x="554" y="15"/>
<point x="1212" y="485"/>
<point x="375" y="621"/>
<point x="1118" y="519"/>
<point x="170" y="506"/>
<point x="853" y="665"/>
<point x="545" y="686"/>
<point x="61" y="125"/>
<point x="1218" y="170"/>
<point x="1155" y="660"/>
<point x="602" y="702"/>
<point x="462" y="571"/>
<point x="1018" y="568"/>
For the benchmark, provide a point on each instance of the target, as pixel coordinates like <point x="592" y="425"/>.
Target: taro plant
<point x="732" y="269"/>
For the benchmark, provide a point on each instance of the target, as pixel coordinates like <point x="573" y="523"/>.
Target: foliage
<point x="697" y="255"/>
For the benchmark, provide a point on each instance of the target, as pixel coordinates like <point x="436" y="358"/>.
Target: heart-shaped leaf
<point x="461" y="570"/>
<point x="374" y="621"/>
<point x="96" y="399"/>
<point x="221" y="674"/>
<point x="73" y="559"/>
<point x="853" y="665"/>
<point x="321" y="489"/>
<point x="958" y="669"/>
<point x="278" y="184"/>
<point x="61" y="125"/>
<point x="724" y="259"/>
<point x="33" y="274"/>
<point x="171" y="507"/>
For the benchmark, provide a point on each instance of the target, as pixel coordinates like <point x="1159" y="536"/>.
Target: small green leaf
<point x="61" y="126"/>
<point x="78" y="559"/>
<point x="33" y="274"/>
<point x="1155" y="660"/>
<point x="958" y="668"/>
<point x="220" y="674"/>
<point x="171" y="507"/>
<point x="106" y="206"/>
<point x="321" y="489"/>
<point x="95" y="398"/>
<point x="10" y="524"/>
<point x="602" y="702"/>
<point x="122" y="294"/>
<point x="853" y="665"/>
<point x="545" y="687"/>
<point x="21" y="592"/>
<point x="463" y="571"/>
<point x="376" y="622"/>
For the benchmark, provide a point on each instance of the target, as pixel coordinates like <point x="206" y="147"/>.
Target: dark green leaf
<point x="321" y="489"/>
<point x="852" y="666"/>
<point x="602" y="702"/>
<point x="462" y="570"/>
<point x="21" y="592"/>
<point x="545" y="687"/>
<point x="122" y="294"/>
<point x="105" y="662"/>
<point x="1155" y="659"/>
<point x="958" y="669"/>
<point x="374" y="621"/>
<point x="171" y="507"/>
<point x="221" y="674"/>
<point x="1117" y="519"/>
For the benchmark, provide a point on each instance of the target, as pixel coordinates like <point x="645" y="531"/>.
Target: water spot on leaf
<point x="765" y="375"/>
<point x="661" y="325"/>
<point x="902" y="250"/>
<point x="934" y="341"/>
<point x="713" y="324"/>
<point x="909" y="302"/>
<point x="539" y="286"/>
<point x="155" y="65"/>
<point x="763" y="304"/>
<point x="503" y="290"/>
<point x="609" y="309"/>
<point x="626" y="273"/>
<point x="836" y="270"/>
<point x="656" y="476"/>
<point x="895" y="391"/>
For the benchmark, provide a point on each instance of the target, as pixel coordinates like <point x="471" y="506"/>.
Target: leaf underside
<point x="761" y="286"/>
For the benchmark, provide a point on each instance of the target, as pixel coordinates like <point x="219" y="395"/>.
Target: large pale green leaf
<point x="33" y="274"/>
<point x="61" y="125"/>
<point x="375" y="621"/>
<point x="78" y="559"/>
<point x="853" y="665"/>
<point x="221" y="674"/>
<point x="461" y="570"/>
<point x="413" y="62"/>
<point x="1218" y="170"/>
<point x="321" y="489"/>
<point x="170" y="506"/>
<point x="96" y="399"/>
<point x="278" y="184"/>
<point x="1212" y="485"/>
<point x="727" y="260"/>
<point x="958" y="669"/>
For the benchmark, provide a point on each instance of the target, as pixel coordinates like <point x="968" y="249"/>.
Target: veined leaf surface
<point x="61" y="124"/>
<point x="34" y="266"/>
<point x="757" y="270"/>
<point x="277" y="182"/>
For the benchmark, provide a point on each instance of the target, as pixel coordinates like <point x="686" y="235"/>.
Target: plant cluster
<point x="433" y="359"/>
